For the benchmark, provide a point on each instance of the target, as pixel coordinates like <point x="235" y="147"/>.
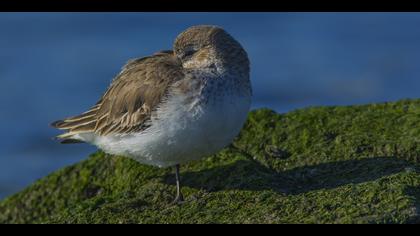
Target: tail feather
<point x="69" y="124"/>
<point x="57" y="124"/>
<point x="67" y="138"/>
<point x="83" y="123"/>
<point x="70" y="141"/>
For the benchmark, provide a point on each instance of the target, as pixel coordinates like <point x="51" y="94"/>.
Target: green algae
<point x="352" y="164"/>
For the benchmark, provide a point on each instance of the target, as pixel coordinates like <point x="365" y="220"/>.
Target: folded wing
<point x="127" y="105"/>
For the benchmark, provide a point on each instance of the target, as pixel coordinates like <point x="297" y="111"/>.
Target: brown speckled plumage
<point x="127" y="104"/>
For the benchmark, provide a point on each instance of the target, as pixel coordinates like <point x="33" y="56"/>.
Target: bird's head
<point x="206" y="46"/>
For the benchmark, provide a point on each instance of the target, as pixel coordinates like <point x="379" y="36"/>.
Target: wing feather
<point x="127" y="104"/>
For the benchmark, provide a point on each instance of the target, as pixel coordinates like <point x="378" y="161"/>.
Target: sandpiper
<point x="173" y="106"/>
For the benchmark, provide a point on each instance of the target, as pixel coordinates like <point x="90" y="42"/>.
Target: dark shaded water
<point x="57" y="64"/>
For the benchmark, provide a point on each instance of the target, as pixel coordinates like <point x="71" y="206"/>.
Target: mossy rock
<point x="354" y="164"/>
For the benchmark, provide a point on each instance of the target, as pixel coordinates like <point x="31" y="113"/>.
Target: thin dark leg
<point x="179" y="197"/>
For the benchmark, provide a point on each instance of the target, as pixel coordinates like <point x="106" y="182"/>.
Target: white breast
<point x="183" y="130"/>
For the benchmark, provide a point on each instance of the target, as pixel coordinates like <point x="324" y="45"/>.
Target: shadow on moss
<point x="251" y="175"/>
<point x="414" y="193"/>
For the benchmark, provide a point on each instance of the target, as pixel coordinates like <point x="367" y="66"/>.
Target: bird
<point x="171" y="107"/>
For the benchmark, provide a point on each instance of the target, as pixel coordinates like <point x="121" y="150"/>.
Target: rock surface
<point x="354" y="164"/>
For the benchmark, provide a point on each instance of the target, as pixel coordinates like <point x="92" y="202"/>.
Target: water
<point x="53" y="65"/>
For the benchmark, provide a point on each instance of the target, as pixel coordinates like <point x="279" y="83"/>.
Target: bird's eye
<point x="189" y="53"/>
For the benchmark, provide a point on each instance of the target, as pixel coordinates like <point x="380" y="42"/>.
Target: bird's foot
<point x="179" y="199"/>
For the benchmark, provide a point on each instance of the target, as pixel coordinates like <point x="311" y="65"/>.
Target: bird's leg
<point x="179" y="197"/>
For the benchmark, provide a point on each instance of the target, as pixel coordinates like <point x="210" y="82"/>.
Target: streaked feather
<point x="127" y="104"/>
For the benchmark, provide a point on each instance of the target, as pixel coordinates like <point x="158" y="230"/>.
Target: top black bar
<point x="204" y="6"/>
